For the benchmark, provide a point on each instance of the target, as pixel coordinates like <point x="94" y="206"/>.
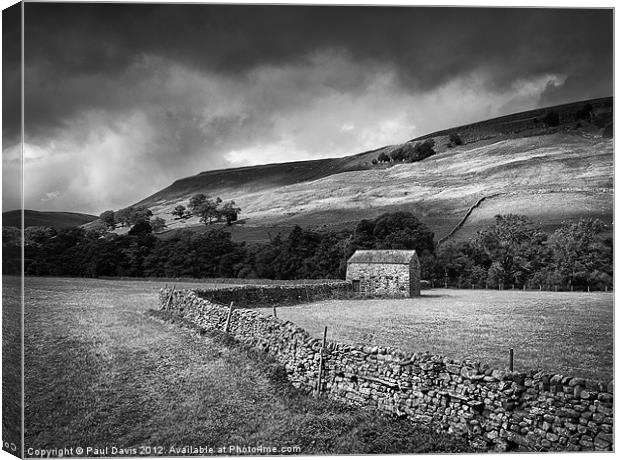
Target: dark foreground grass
<point x="319" y="425"/>
<point x="11" y="367"/>
<point x="100" y="373"/>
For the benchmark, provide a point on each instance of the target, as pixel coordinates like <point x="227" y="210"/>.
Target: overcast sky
<point x="121" y="100"/>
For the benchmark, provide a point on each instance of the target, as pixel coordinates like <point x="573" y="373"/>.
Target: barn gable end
<point x="386" y="273"/>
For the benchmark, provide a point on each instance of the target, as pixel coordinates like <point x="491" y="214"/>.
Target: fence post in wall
<point x="322" y="353"/>
<point x="170" y="297"/>
<point x="228" y="318"/>
<point x="511" y="360"/>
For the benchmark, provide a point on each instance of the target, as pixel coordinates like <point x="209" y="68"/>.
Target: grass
<point x="565" y="332"/>
<point x="99" y="372"/>
<point x="11" y="366"/>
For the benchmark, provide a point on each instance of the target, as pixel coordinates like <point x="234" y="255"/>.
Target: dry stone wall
<point x="261" y="296"/>
<point x="493" y="409"/>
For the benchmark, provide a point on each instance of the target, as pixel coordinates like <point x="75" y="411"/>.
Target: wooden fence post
<point x="170" y="297"/>
<point x="511" y="360"/>
<point x="230" y="310"/>
<point x="322" y="352"/>
<point x="274" y="311"/>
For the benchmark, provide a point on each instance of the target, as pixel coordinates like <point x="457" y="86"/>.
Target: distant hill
<point x="520" y="163"/>
<point x="57" y="220"/>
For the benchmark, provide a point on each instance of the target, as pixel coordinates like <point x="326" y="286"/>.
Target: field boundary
<point x="493" y="409"/>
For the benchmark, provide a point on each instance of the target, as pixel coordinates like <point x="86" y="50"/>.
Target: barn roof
<point x="382" y="256"/>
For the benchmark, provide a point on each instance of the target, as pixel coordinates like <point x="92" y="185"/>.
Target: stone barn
<point x="388" y="273"/>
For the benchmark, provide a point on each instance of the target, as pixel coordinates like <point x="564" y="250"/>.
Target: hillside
<point x="57" y="220"/>
<point x="511" y="164"/>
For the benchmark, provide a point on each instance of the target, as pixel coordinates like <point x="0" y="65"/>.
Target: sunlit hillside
<point x="514" y="164"/>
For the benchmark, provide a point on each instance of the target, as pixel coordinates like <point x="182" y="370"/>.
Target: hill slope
<point x="513" y="164"/>
<point x="57" y="220"/>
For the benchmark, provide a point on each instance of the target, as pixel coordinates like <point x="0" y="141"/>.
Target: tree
<point x="230" y="212"/>
<point x="11" y="236"/>
<point x="383" y="158"/>
<point x="107" y="217"/>
<point x="158" y="224"/>
<point x="139" y="214"/>
<point x="132" y="215"/>
<point x="196" y="201"/>
<point x="122" y="217"/>
<point x="205" y="208"/>
<point x="179" y="211"/>
<point x="514" y="247"/>
<point x="580" y="255"/>
<point x="423" y="150"/>
<point x="96" y="230"/>
<point x="141" y="228"/>
<point x="398" y="155"/>
<point x="37" y="235"/>
<point x="456" y="139"/>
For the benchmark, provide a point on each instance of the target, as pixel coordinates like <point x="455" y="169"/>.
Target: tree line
<point x="511" y="252"/>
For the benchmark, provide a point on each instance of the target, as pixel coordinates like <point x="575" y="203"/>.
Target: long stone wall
<point x="493" y="409"/>
<point x="260" y="296"/>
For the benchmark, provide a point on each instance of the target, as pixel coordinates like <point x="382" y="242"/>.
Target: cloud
<point x="121" y="100"/>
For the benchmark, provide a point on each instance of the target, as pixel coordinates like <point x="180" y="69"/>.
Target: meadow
<point x="569" y="333"/>
<point x="99" y="372"/>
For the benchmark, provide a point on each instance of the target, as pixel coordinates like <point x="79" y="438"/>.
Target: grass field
<point x="101" y="373"/>
<point x="563" y="332"/>
<point x="11" y="367"/>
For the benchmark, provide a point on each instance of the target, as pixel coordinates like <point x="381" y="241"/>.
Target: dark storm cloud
<point x="11" y="73"/>
<point x="426" y="46"/>
<point x="121" y="100"/>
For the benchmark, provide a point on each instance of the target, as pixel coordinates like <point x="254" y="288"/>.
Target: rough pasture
<point x="98" y="372"/>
